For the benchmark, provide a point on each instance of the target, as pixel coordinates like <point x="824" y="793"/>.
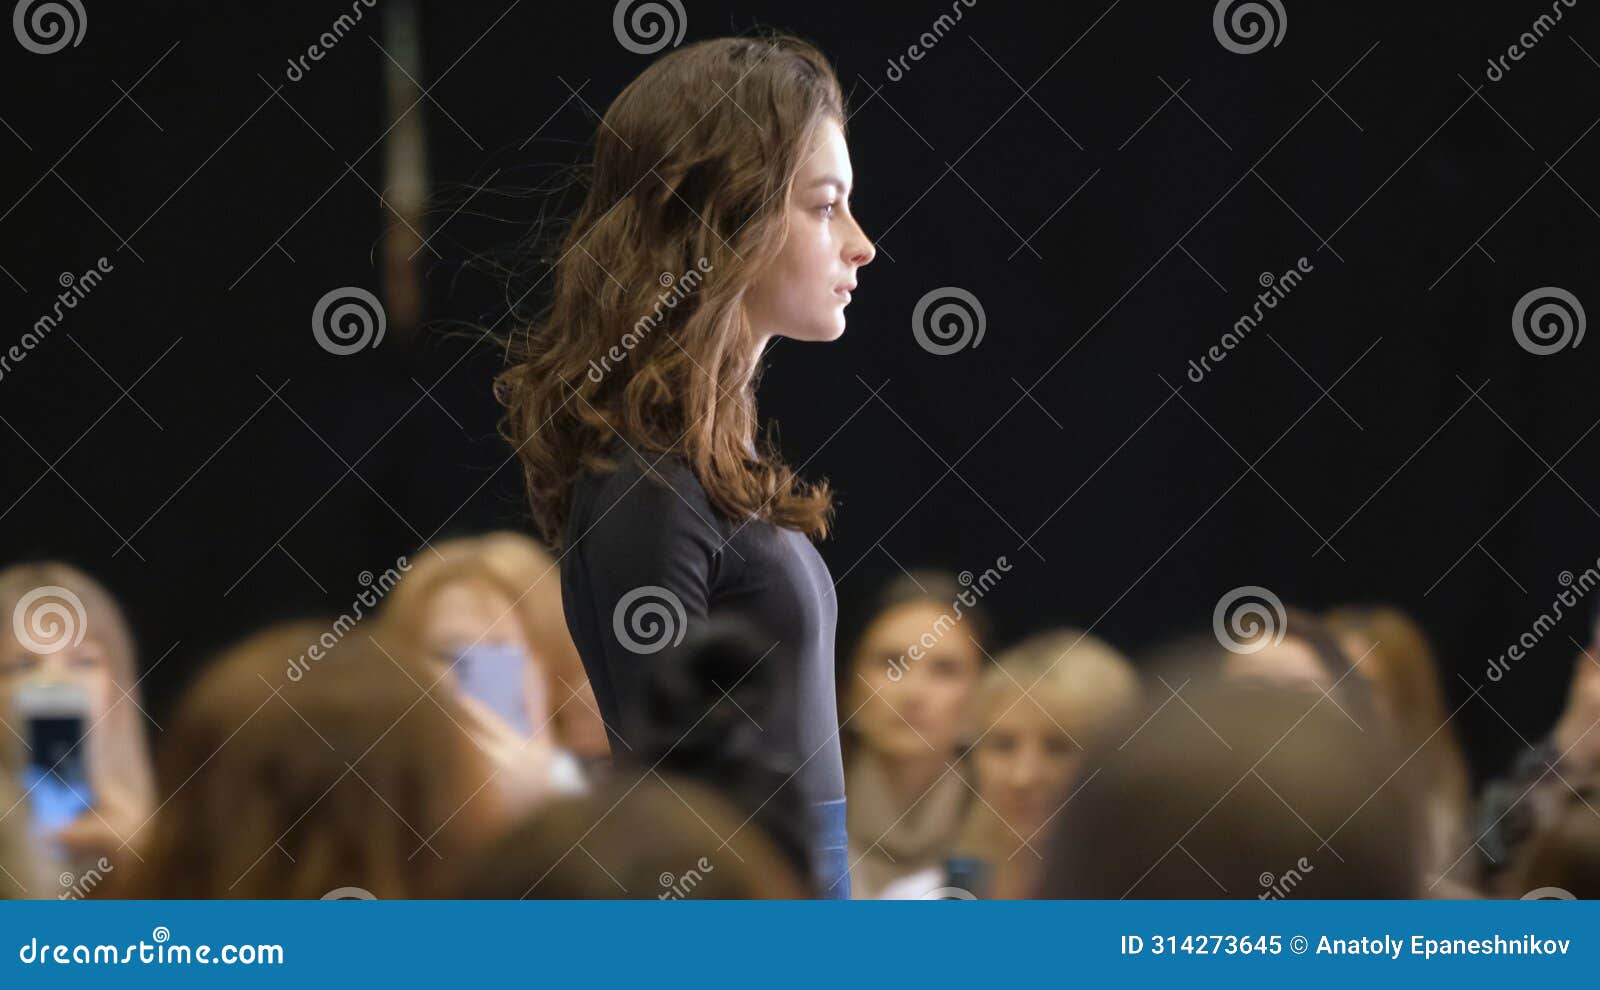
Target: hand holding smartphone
<point x="56" y="717"/>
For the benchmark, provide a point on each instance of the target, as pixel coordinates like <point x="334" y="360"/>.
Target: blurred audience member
<point x="1305" y="654"/>
<point x="457" y="611"/>
<point x="1289" y="647"/>
<point x="66" y="634"/>
<point x="347" y="778"/>
<point x="1533" y="793"/>
<point x="1563" y="859"/>
<point x="907" y="687"/>
<point x="1238" y="790"/>
<point x="1390" y="650"/>
<point x="536" y="578"/>
<point x="1042" y="704"/>
<point x="650" y="837"/>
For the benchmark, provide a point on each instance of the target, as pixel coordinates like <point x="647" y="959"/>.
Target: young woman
<point x="66" y="630"/>
<point x="533" y="574"/>
<point x="914" y="669"/>
<point x="346" y="778"/>
<point x="1044" y="703"/>
<point x="722" y="172"/>
<point x="453" y="609"/>
<point x="1391" y="652"/>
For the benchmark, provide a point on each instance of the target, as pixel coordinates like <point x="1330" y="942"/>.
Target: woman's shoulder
<point x="632" y="469"/>
<point x="658" y="488"/>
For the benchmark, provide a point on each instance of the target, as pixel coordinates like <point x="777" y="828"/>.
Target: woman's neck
<point x="911" y="777"/>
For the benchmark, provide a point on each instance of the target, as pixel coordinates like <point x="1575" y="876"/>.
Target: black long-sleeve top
<point x="631" y="536"/>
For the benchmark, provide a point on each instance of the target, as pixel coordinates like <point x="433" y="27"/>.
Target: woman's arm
<point x="650" y="559"/>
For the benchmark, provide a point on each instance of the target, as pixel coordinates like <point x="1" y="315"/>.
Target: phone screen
<point x="56" y="777"/>
<point x="493" y="673"/>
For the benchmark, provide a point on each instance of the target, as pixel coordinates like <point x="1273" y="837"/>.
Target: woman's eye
<point x="827" y="211"/>
<point x="19" y="665"/>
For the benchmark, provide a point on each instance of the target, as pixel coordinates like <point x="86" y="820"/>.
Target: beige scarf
<point x="887" y="840"/>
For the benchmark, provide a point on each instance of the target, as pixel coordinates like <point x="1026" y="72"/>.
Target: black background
<point x="1428" y="200"/>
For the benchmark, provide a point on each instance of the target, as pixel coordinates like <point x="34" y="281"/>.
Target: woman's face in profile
<point x="801" y="294"/>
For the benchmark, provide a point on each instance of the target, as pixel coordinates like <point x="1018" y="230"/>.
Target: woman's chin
<point x="821" y="332"/>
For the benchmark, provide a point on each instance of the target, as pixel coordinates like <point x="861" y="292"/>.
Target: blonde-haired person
<point x="536" y="577"/>
<point x="63" y="628"/>
<point x="457" y="612"/>
<point x="348" y="778"/>
<point x="717" y="219"/>
<point x="1044" y="702"/>
<point x="1391" y="652"/>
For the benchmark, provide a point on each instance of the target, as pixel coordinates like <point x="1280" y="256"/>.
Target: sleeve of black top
<point x="659" y="549"/>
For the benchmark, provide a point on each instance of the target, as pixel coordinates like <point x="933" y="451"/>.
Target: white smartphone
<point x="56" y="717"/>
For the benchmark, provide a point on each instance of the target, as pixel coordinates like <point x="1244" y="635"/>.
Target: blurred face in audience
<point x="88" y="664"/>
<point x="467" y="614"/>
<point x="913" y="706"/>
<point x="1289" y="663"/>
<point x="1025" y="764"/>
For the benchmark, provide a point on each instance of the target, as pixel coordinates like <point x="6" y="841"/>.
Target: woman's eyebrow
<point x="833" y="180"/>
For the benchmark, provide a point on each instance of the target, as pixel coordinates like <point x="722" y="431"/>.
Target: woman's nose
<point x="1025" y="771"/>
<point x="861" y="252"/>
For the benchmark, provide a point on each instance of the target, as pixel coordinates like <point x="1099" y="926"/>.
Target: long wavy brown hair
<point x="693" y="166"/>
